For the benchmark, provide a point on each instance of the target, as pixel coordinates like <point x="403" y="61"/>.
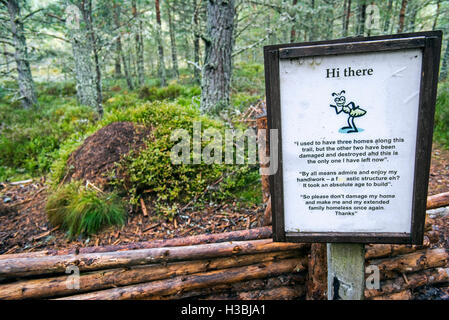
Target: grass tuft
<point x="84" y="211"/>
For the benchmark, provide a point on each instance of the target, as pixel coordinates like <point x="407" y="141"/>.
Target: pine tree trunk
<point x="99" y="95"/>
<point x="139" y="47"/>
<point x="293" y="30"/>
<point x="82" y="54"/>
<point x="6" y="56"/>
<point x="330" y="19"/>
<point x="402" y="16"/>
<point x="361" y="18"/>
<point x="347" y="16"/>
<point x="118" y="47"/>
<point x="313" y="26"/>
<point x="388" y="15"/>
<point x="174" y="54"/>
<point x="411" y="14"/>
<point x="161" y="66"/>
<point x="218" y="60"/>
<point x="196" y="44"/>
<point x="117" y="63"/>
<point x="25" y="79"/>
<point x="444" y="65"/>
<point x="120" y="54"/>
<point x="437" y="15"/>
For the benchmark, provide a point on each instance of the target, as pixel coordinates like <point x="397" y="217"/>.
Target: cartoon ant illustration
<point x="350" y="109"/>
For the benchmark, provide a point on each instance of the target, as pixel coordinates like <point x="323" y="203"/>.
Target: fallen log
<point x="57" y="286"/>
<point x="438" y="200"/>
<point x="108" y="260"/>
<point x="241" y="235"/>
<point x="196" y="281"/>
<point x="403" y="295"/>
<point x="410" y="281"/>
<point x="423" y="259"/>
<point x="289" y="279"/>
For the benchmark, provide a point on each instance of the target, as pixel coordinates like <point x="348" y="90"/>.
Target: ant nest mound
<point x="96" y="159"/>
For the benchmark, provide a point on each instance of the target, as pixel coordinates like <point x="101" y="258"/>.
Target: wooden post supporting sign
<point x="345" y="271"/>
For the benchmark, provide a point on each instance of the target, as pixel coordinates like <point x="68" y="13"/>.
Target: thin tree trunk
<point x="117" y="63"/>
<point x="361" y="18"/>
<point x="330" y="19"/>
<point x="161" y="68"/>
<point x="218" y="60"/>
<point x="120" y="53"/>
<point x="437" y="15"/>
<point x="348" y="16"/>
<point x="313" y="26"/>
<point x="82" y="54"/>
<point x="413" y="11"/>
<point x="293" y="30"/>
<point x="129" y="81"/>
<point x="388" y="15"/>
<point x="88" y="18"/>
<point x="25" y="79"/>
<point x="402" y="16"/>
<point x="6" y="56"/>
<point x="174" y="54"/>
<point x="444" y="65"/>
<point x="139" y="47"/>
<point x="196" y="44"/>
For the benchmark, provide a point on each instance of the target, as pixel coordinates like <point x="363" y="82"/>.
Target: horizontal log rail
<point x="416" y="261"/>
<point x="438" y="201"/>
<point x="233" y="290"/>
<point x="107" y="260"/>
<point x="104" y="279"/>
<point x="196" y="281"/>
<point x="240" y="235"/>
<point x="410" y="281"/>
<point x="279" y="293"/>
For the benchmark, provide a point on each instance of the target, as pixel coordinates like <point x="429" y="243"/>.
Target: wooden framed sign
<point x="355" y="123"/>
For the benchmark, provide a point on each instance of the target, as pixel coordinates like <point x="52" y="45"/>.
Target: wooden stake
<point x="345" y="271"/>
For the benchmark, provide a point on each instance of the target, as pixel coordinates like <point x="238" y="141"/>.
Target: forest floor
<point x="24" y="226"/>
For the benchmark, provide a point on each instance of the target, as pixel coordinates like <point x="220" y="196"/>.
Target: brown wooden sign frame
<point x="430" y="44"/>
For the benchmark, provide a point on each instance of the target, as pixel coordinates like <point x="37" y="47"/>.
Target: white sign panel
<point x="349" y="125"/>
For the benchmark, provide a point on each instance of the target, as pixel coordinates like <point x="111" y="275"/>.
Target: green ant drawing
<point x="350" y="109"/>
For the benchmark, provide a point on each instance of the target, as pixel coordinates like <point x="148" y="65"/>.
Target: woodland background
<point x="136" y="69"/>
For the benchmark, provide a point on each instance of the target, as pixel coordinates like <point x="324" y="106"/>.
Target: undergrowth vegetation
<point x="39" y="142"/>
<point x="441" y="128"/>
